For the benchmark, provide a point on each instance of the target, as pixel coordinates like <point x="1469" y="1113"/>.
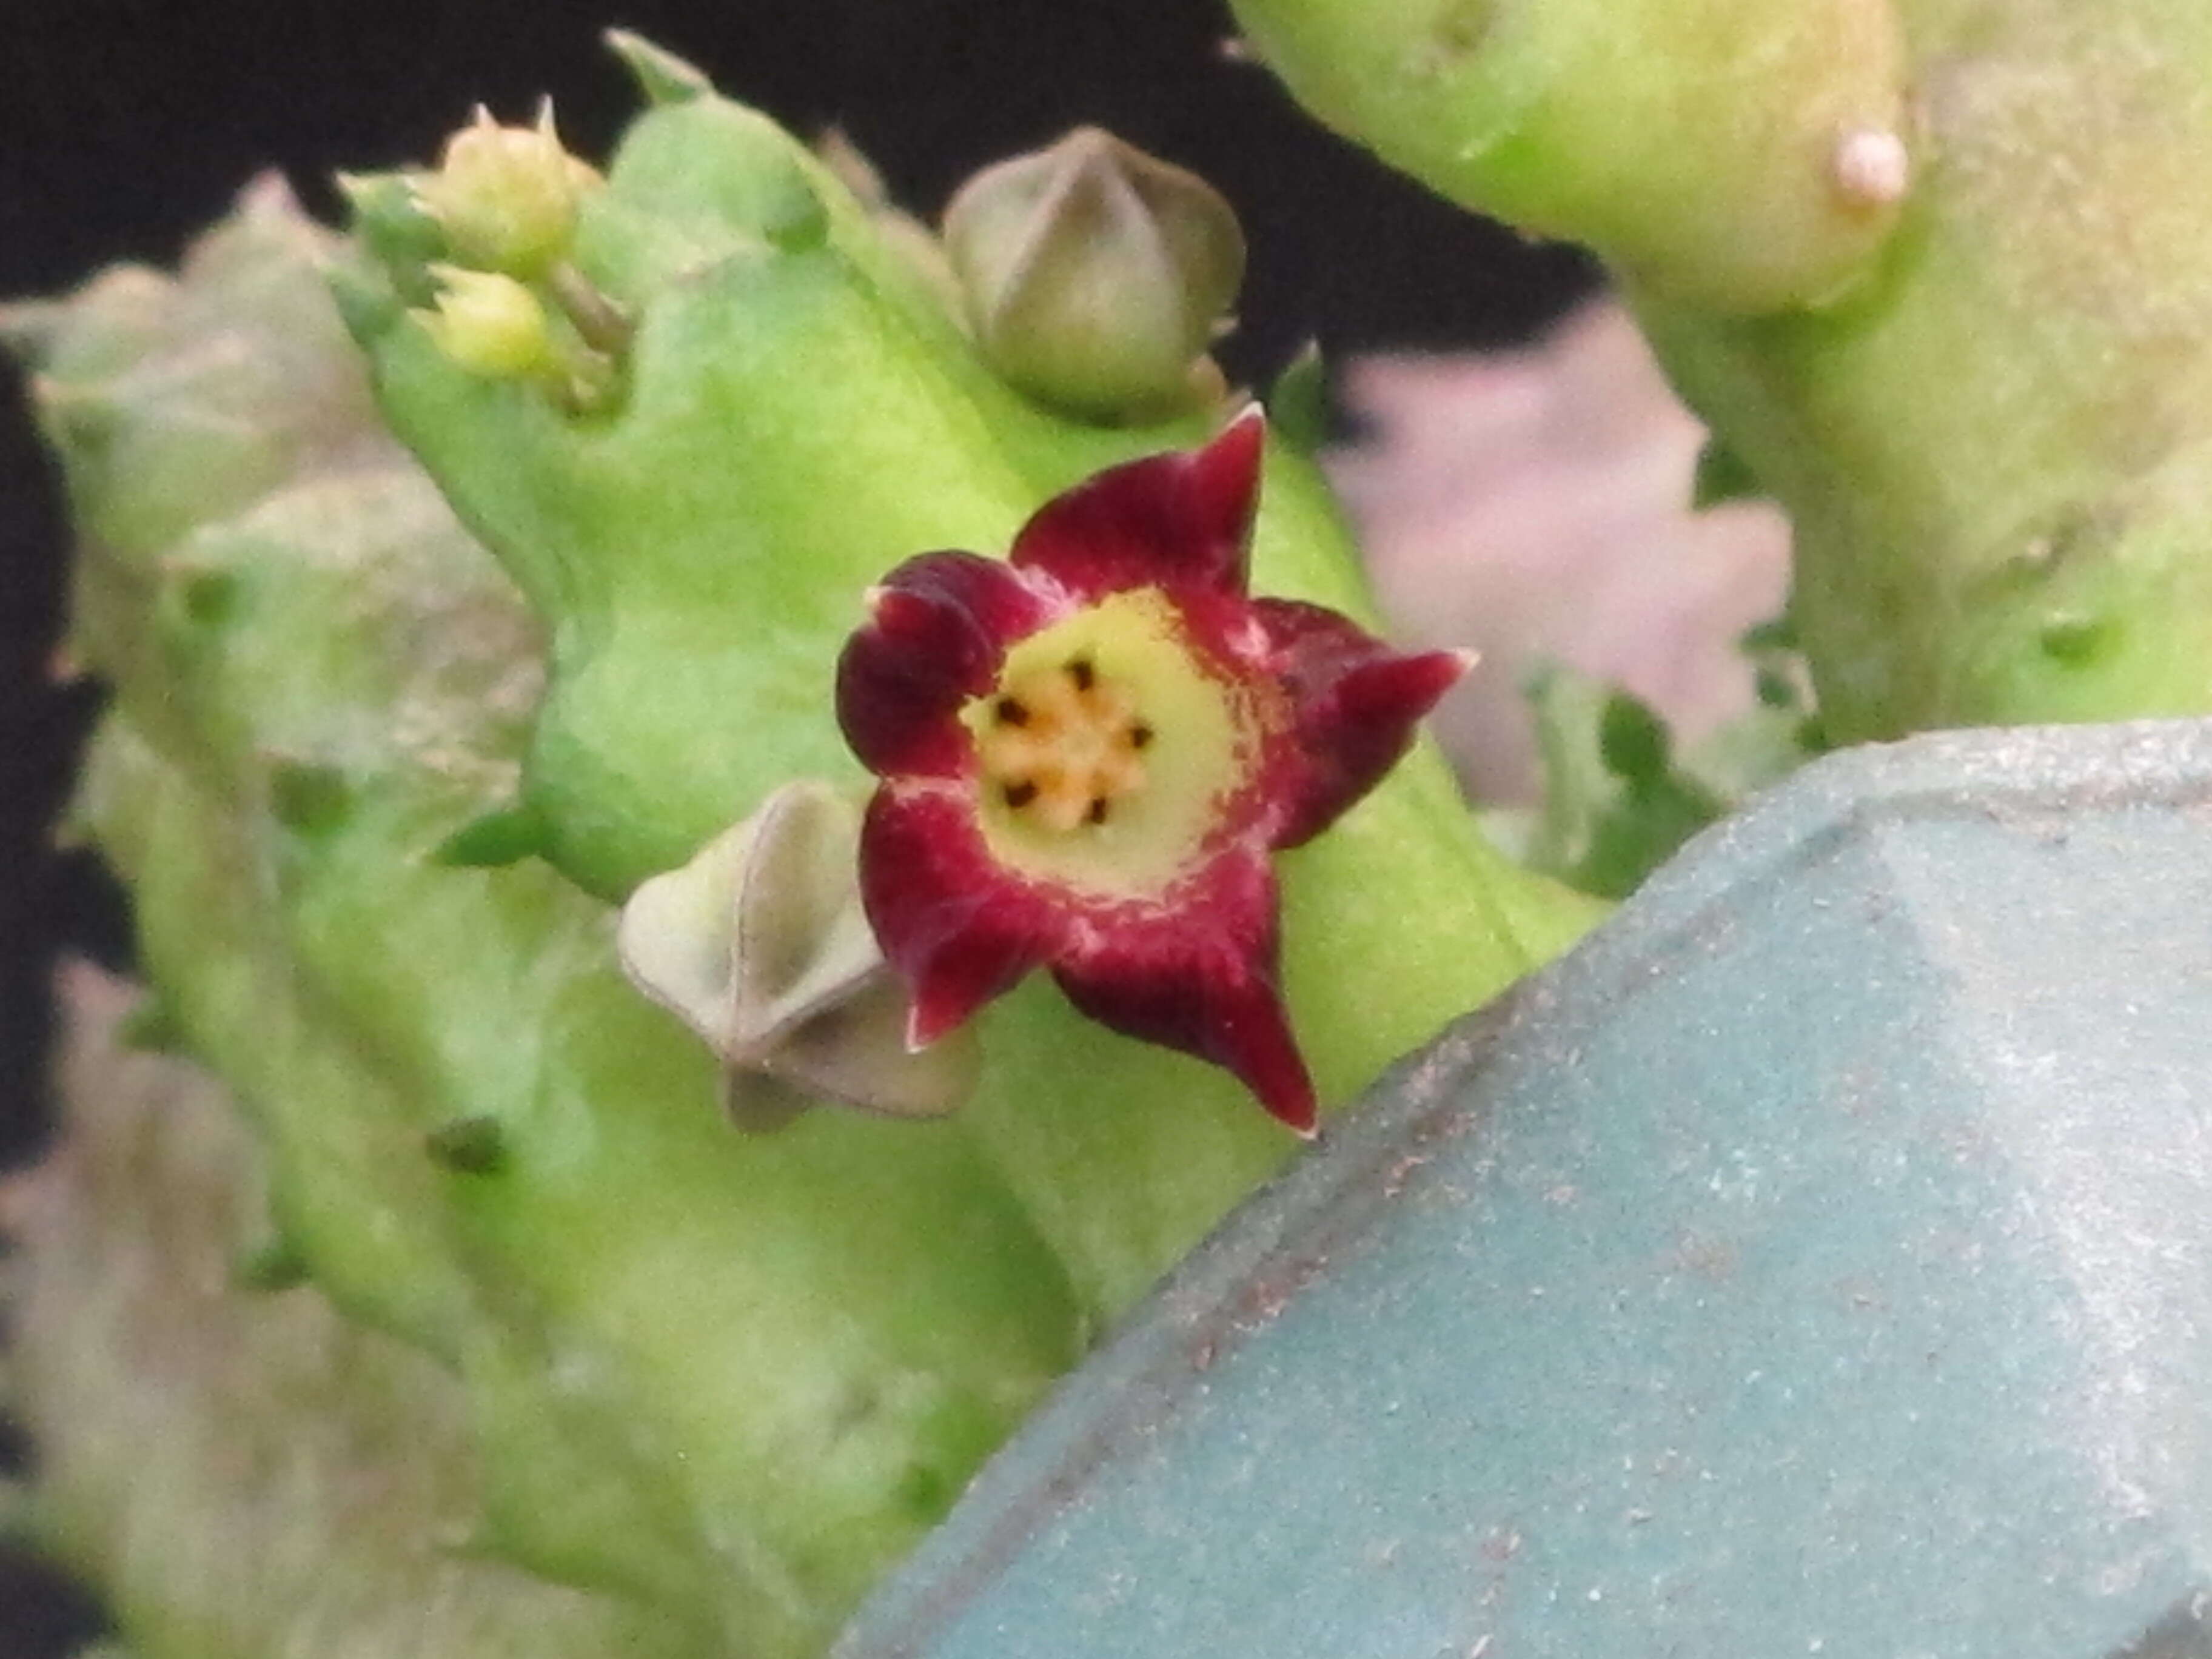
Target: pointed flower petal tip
<point x="1236" y="451"/>
<point x="759" y="945"/>
<point x="1226" y="481"/>
<point x="1181" y="519"/>
<point x="1088" y="752"/>
<point x="1402" y="690"/>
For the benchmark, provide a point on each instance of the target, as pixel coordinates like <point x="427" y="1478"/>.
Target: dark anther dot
<point x="1097" y="812"/>
<point x="1083" y="673"/>
<point x="1010" y="711"/>
<point x="1139" y="736"/>
<point x="1020" y="795"/>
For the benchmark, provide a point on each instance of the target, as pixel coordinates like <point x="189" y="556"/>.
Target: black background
<point x="125" y="123"/>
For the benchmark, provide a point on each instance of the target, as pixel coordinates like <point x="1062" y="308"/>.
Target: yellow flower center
<point x="1105" y="748"/>
<point x="1063" y="745"/>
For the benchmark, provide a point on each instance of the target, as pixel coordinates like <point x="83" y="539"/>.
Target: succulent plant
<point x="315" y="686"/>
<point x="392" y="734"/>
<point x="421" y="672"/>
<point x="798" y="415"/>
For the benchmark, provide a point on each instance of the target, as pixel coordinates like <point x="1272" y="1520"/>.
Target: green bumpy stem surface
<point x="243" y="1471"/>
<point x="1992" y="428"/>
<point x="799" y="415"/>
<point x="728" y="1379"/>
<point x="1687" y="141"/>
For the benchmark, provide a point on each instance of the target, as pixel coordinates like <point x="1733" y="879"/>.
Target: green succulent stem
<point x="1690" y="141"/>
<point x="801" y="415"/>
<point x="725" y="1446"/>
<point x="1982" y="394"/>
<point x="242" y="1471"/>
<point x="373" y="791"/>
<point x="713" y="1374"/>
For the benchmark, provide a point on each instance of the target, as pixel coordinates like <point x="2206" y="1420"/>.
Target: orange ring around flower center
<point x="1064" y="746"/>
<point x="1105" y="748"/>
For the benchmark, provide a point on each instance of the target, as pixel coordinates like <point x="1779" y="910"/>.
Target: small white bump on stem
<point x="1871" y="168"/>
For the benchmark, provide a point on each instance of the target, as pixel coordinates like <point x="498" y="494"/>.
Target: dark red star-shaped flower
<point x="1088" y="751"/>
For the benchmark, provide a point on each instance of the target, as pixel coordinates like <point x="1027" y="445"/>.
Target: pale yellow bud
<point x="506" y="197"/>
<point x="488" y="323"/>
<point x="1095" y="276"/>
